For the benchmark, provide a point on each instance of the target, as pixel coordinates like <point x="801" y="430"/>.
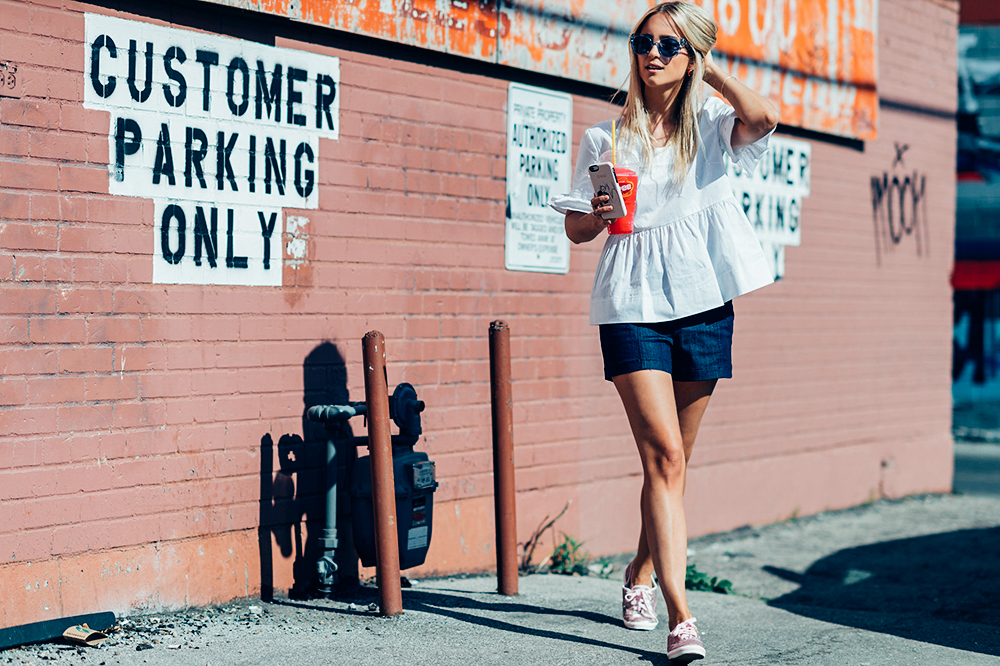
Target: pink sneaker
<point x="638" y="604"/>
<point x="683" y="643"/>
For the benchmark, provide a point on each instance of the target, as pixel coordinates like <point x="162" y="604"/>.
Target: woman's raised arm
<point x="756" y="115"/>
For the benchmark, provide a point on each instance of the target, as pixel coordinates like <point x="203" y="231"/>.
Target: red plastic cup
<point x="628" y="181"/>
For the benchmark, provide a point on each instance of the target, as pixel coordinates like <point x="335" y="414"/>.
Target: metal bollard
<point x="383" y="488"/>
<point x="503" y="459"/>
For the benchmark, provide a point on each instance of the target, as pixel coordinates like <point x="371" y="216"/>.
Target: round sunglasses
<point x="667" y="46"/>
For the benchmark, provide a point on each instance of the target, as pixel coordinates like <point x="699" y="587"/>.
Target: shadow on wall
<point x="295" y="493"/>
<point x="915" y="588"/>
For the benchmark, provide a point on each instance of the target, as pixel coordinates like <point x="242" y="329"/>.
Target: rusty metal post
<point x="383" y="487"/>
<point x="503" y="459"/>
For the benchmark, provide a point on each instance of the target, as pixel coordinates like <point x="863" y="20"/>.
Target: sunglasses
<point x="667" y="46"/>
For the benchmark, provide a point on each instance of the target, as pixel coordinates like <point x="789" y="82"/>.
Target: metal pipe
<point x="504" y="502"/>
<point x="383" y="486"/>
<point x="326" y="567"/>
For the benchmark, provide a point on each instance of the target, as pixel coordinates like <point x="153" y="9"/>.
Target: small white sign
<point x="772" y="196"/>
<point x="539" y="138"/>
<point x="222" y="134"/>
<point x="417" y="537"/>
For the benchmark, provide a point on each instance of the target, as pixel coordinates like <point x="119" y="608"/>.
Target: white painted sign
<point x="539" y="136"/>
<point x="221" y="133"/>
<point x="772" y="196"/>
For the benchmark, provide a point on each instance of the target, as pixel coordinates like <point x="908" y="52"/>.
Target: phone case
<point x="602" y="176"/>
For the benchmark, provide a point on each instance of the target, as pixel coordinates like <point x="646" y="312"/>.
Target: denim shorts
<point x="690" y="349"/>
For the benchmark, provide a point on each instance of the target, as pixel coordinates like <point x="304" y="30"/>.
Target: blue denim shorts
<point x="690" y="349"/>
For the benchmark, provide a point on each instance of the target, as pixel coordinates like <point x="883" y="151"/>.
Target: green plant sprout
<point x="568" y="558"/>
<point x="700" y="582"/>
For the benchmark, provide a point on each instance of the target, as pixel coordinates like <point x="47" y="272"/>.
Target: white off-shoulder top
<point x="692" y="248"/>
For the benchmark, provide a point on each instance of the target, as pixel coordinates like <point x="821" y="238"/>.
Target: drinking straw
<point x="613" y="161"/>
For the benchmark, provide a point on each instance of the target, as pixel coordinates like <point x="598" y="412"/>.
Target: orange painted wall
<point x="133" y="416"/>
<point x="815" y="59"/>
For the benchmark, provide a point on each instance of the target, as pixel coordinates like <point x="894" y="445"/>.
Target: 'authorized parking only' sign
<point x="539" y="136"/>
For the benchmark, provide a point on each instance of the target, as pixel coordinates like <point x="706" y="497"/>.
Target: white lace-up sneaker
<point x="639" y="604"/>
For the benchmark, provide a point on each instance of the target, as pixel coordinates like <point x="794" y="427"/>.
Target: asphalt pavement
<point x="976" y="428"/>
<point x="894" y="583"/>
<point x="977" y="468"/>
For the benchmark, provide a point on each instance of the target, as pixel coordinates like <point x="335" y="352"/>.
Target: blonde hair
<point x="698" y="28"/>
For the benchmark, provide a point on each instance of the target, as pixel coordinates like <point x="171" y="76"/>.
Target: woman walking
<point x="662" y="294"/>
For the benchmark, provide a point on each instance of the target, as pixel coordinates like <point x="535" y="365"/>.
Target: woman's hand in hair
<point x="712" y="71"/>
<point x="756" y="115"/>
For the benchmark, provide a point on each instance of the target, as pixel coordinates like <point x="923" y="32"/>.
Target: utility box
<point x="414" y="479"/>
<point x="415" y="483"/>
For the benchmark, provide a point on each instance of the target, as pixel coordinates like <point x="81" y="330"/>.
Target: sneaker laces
<point x="685" y="630"/>
<point x="637" y="602"/>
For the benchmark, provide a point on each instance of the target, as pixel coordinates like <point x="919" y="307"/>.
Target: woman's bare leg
<point x="692" y="401"/>
<point x="665" y="417"/>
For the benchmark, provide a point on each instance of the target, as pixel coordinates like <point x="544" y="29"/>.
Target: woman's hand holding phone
<point x="602" y="177"/>
<point x="601" y="204"/>
<point x="584" y="227"/>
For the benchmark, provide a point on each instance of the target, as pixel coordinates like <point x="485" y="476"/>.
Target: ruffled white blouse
<point x="692" y="248"/>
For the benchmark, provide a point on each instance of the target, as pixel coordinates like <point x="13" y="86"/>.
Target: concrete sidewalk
<point x="893" y="583"/>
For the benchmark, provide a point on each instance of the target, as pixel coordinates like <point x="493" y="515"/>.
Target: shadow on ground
<point x="913" y="588"/>
<point x="498" y="613"/>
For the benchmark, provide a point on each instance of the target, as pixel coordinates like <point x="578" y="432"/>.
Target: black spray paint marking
<point x="899" y="208"/>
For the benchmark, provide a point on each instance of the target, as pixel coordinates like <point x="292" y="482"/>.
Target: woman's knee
<point x="664" y="460"/>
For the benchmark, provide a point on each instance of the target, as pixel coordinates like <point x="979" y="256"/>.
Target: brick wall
<point x="153" y="451"/>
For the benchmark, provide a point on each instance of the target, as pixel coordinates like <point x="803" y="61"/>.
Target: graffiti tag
<point x="899" y="207"/>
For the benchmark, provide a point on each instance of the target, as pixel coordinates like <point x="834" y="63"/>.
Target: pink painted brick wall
<point x="132" y="414"/>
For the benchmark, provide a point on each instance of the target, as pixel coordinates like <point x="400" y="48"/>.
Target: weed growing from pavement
<point x="602" y="568"/>
<point x="700" y="582"/>
<point x="569" y="558"/>
<point x="527" y="566"/>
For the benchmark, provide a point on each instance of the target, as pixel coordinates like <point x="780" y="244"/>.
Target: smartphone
<point x="602" y="176"/>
